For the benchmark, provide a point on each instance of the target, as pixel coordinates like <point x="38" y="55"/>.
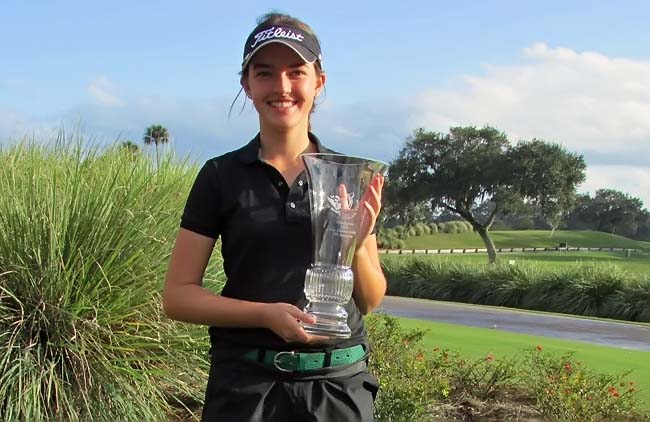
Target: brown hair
<point x="274" y="18"/>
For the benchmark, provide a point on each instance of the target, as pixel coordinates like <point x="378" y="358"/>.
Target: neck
<point x="285" y="145"/>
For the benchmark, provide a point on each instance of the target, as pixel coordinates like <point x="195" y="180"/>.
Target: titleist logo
<point x="276" y="33"/>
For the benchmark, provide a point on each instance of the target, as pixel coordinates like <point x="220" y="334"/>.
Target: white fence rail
<point x="500" y="250"/>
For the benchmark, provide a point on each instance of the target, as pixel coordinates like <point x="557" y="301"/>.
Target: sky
<point x="576" y="73"/>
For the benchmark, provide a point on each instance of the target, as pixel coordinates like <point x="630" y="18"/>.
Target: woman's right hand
<point x="284" y="320"/>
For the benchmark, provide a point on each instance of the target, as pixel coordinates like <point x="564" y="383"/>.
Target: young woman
<point x="256" y="200"/>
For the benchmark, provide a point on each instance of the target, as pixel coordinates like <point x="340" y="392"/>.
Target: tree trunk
<point x="481" y="229"/>
<point x="491" y="250"/>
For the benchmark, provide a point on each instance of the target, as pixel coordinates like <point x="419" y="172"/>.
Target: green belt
<point x="301" y="361"/>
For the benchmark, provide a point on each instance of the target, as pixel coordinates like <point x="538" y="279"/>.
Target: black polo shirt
<point x="266" y="239"/>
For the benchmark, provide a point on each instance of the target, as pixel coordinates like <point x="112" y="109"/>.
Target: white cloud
<point x="592" y="104"/>
<point x="102" y="92"/>
<point x="586" y="101"/>
<point x="15" y="126"/>
<point x="630" y="179"/>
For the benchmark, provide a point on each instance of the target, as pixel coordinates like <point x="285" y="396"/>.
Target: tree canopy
<point x="156" y="135"/>
<point x="470" y="167"/>
<point x="611" y="211"/>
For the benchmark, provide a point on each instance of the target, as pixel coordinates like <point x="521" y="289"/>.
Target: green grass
<point x="477" y="342"/>
<point x="525" y="239"/>
<point x="637" y="263"/>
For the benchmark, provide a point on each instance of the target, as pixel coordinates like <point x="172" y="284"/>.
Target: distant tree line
<point x="478" y="175"/>
<point x="608" y="210"/>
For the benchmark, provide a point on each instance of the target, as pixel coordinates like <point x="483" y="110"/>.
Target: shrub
<point x="84" y="239"/>
<point x="456" y="226"/>
<point x="409" y="382"/>
<point x="383" y="240"/>
<point x="389" y="233"/>
<point x="422" y="229"/>
<point x="589" y="289"/>
<point x="398" y="244"/>
<point x="563" y="389"/>
<point x="444" y="384"/>
<point x="485" y="378"/>
<point x="402" y="232"/>
<point x="433" y="228"/>
<point x="390" y="242"/>
<point x="462" y="226"/>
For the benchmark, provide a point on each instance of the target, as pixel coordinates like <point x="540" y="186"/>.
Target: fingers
<point x="343" y="197"/>
<point x="312" y="338"/>
<point x="304" y="317"/>
<point x="302" y="336"/>
<point x="285" y="320"/>
<point x="371" y="212"/>
<point x="372" y="204"/>
<point x="378" y="183"/>
<point x="375" y="197"/>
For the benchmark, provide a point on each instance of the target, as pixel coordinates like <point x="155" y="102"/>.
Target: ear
<point x="320" y="83"/>
<point x="244" y="84"/>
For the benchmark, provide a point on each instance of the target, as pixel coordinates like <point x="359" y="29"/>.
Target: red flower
<point x="567" y="366"/>
<point x="419" y="357"/>
<point x="489" y="357"/>
<point x="613" y="392"/>
<point x="539" y="348"/>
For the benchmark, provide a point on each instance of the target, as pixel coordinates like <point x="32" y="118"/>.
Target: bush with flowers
<point x="537" y="385"/>
<point x="564" y="389"/>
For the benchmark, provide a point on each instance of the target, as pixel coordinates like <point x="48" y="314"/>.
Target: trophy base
<point x="331" y="320"/>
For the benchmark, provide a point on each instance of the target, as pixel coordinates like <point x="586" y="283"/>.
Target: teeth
<point x="282" y="104"/>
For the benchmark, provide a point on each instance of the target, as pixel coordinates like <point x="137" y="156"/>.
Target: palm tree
<point x="157" y="135"/>
<point x="131" y="148"/>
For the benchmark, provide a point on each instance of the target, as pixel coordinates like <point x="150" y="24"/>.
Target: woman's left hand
<point x="371" y="203"/>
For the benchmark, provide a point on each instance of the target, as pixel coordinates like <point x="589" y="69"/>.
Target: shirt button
<point x="292" y="205"/>
<point x="299" y="182"/>
<point x="280" y="183"/>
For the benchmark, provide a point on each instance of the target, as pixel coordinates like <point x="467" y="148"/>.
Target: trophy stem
<point x="331" y="320"/>
<point x="328" y="288"/>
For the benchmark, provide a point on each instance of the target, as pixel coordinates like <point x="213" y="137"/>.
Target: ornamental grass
<point x="588" y="289"/>
<point x="85" y="235"/>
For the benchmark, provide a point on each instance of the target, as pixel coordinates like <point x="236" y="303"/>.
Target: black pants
<point x="246" y="391"/>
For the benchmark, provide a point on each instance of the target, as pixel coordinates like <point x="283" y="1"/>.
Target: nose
<point x="282" y="83"/>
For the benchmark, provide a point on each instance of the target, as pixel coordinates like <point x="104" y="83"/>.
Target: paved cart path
<point x="606" y="333"/>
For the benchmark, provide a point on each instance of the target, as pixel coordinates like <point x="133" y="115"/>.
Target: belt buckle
<point x="276" y="360"/>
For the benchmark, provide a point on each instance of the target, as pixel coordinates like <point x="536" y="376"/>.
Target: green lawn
<point x="477" y="342"/>
<point x="638" y="264"/>
<point x="526" y="239"/>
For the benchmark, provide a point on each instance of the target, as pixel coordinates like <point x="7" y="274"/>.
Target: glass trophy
<point x="336" y="185"/>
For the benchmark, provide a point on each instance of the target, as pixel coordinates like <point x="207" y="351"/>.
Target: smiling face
<point x="282" y="87"/>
